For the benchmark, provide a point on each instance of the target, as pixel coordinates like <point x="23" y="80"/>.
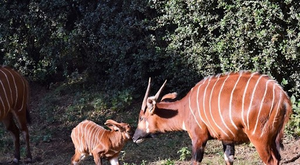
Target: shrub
<point x="119" y="44"/>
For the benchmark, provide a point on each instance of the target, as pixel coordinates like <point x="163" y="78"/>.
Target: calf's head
<point x="147" y="122"/>
<point x="124" y="128"/>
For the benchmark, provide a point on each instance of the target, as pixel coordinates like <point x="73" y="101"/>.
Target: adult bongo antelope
<point x="14" y="94"/>
<point x="233" y="108"/>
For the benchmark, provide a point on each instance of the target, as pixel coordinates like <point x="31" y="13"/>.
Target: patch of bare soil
<point x="291" y="153"/>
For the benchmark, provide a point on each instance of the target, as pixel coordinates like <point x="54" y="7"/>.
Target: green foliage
<point x="168" y="162"/>
<point x="184" y="152"/>
<point x="294" y="124"/>
<point x="3" y="142"/>
<point x="144" y="162"/>
<point x="221" y="36"/>
<point x="121" y="99"/>
<point x="128" y="163"/>
<point x="117" y="45"/>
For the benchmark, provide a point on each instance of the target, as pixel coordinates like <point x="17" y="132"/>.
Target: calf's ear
<point x="112" y="125"/>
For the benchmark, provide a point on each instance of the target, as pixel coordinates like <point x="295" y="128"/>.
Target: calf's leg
<point x="97" y="159"/>
<point x="77" y="157"/>
<point x="114" y="161"/>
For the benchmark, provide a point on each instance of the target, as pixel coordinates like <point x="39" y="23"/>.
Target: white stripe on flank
<point x="86" y="135"/>
<point x="97" y="134"/>
<point x="13" y="78"/>
<point x="230" y="102"/>
<point x="272" y="106"/>
<point x="271" y="109"/>
<point x="243" y="100"/>
<point x="204" y="110"/>
<point x="10" y="90"/>
<point x="94" y="138"/>
<point x="3" y="109"/>
<point x="9" y="98"/>
<point x="210" y="98"/>
<point x="91" y="137"/>
<point x="219" y="106"/>
<point x="4" y="97"/>
<point x="101" y="130"/>
<point x="249" y="108"/>
<point x="198" y="106"/>
<point x="260" y="107"/>
<point x="192" y="109"/>
<point x="14" y="84"/>
<point x="83" y="132"/>
<point x="2" y="101"/>
<point x="273" y="98"/>
<point x="82" y="137"/>
<point x="17" y="88"/>
<point x="277" y="109"/>
<point x="24" y="95"/>
<point x="197" y="99"/>
<point x="79" y="129"/>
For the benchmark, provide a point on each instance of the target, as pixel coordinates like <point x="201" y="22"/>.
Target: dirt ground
<point x="291" y="153"/>
<point x="58" y="149"/>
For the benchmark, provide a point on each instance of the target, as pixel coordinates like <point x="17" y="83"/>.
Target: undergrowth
<point x="294" y="123"/>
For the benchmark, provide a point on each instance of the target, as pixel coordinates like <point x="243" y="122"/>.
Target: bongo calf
<point x="92" y="139"/>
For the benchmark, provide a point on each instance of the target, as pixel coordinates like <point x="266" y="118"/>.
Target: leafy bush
<point x="184" y="152"/>
<point x="294" y="123"/>
<point x="119" y="44"/>
<point x="222" y="36"/>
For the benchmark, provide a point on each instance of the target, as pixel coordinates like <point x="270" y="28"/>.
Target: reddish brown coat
<point x="233" y="108"/>
<point x="14" y="94"/>
<point x="91" y="139"/>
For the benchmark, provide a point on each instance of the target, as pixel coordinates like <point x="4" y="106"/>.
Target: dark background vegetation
<point x="116" y="45"/>
<point x="119" y="44"/>
<point x="107" y="49"/>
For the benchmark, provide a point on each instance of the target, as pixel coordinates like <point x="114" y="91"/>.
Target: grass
<point x="56" y="111"/>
